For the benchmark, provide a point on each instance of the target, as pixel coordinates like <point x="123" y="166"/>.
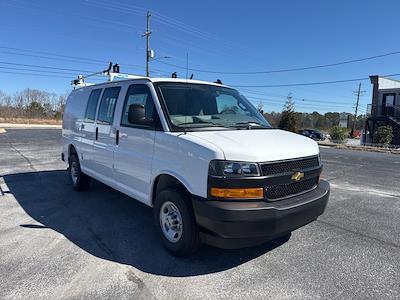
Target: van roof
<point x="183" y="80"/>
<point x="154" y="80"/>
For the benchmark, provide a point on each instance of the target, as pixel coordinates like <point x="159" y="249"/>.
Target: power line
<point x="44" y="67"/>
<point x="85" y="18"/>
<point x="316" y="106"/>
<point x="52" y="58"/>
<point x="32" y="70"/>
<point x="301" y="103"/>
<point x="288" y="69"/>
<point x="69" y="58"/>
<point x="285" y="97"/>
<point x="78" y="58"/>
<point x="32" y="74"/>
<point x="309" y="106"/>
<point x="310" y="83"/>
<point x="174" y="23"/>
<point x="183" y="26"/>
<point x="125" y="8"/>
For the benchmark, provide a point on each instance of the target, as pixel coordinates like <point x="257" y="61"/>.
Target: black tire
<point x="189" y="240"/>
<point x="80" y="181"/>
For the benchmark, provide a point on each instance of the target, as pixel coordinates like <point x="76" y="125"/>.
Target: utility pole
<point x="187" y="65"/>
<point x="148" y="50"/>
<point x="355" y="112"/>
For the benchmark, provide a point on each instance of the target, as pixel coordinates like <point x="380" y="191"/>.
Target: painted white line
<point x="27" y="126"/>
<point x="326" y="147"/>
<point x="389" y="194"/>
<point x="3" y="187"/>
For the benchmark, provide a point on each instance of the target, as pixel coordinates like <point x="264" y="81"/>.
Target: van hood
<point x="259" y="145"/>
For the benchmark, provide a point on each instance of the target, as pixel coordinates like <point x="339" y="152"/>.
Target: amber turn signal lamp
<point x="250" y="193"/>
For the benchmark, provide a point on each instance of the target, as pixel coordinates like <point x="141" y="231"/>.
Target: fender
<point x="173" y="174"/>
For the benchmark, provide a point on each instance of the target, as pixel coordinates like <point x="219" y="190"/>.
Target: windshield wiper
<point x="250" y="125"/>
<point x="201" y="123"/>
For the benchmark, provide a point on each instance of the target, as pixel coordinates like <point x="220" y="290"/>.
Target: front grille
<point x="285" y="190"/>
<point x="289" y="166"/>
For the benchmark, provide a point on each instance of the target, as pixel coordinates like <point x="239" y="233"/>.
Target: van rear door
<point x="87" y="130"/>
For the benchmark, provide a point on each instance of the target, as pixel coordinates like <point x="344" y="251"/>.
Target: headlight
<point x="227" y="168"/>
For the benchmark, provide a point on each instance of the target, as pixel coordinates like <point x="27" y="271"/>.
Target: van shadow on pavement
<point x="112" y="226"/>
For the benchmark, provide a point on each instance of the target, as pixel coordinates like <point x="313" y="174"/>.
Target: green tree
<point x="288" y="119"/>
<point x="36" y="110"/>
<point x="384" y="135"/>
<point x="338" y="134"/>
<point x="273" y="118"/>
<point x="321" y="122"/>
<point x="332" y="118"/>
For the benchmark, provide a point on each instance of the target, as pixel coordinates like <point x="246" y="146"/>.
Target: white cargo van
<point x="200" y="154"/>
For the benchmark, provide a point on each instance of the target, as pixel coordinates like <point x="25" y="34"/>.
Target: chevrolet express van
<point x="200" y="154"/>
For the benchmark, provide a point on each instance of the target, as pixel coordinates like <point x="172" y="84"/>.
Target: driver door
<point x="134" y="152"/>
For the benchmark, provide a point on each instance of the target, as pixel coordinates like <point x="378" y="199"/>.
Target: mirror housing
<point x="136" y="115"/>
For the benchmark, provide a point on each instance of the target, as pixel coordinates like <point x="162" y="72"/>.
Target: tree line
<point x="32" y="104"/>
<point x="294" y="121"/>
<point x="39" y="104"/>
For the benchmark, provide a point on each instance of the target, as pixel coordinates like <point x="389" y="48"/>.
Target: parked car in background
<point x="313" y="134"/>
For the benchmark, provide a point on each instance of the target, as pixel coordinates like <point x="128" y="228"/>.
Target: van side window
<point x="138" y="94"/>
<point x="107" y="105"/>
<point x="90" y="113"/>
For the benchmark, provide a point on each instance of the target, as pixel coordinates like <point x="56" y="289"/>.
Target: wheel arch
<point x="167" y="180"/>
<point x="72" y="149"/>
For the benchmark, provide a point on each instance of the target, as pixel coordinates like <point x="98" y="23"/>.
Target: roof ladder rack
<point x="80" y="81"/>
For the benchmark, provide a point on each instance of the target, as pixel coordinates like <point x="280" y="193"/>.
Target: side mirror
<point x="136" y="115"/>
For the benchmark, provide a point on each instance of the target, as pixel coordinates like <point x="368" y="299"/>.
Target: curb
<point x="361" y="148"/>
<point x="28" y="126"/>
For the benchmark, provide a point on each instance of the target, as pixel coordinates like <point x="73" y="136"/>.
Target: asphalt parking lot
<point x="58" y="243"/>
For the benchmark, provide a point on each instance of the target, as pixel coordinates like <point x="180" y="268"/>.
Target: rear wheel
<point x="175" y="222"/>
<point x="80" y="181"/>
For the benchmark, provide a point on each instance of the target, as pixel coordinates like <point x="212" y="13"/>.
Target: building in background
<point x="344" y="120"/>
<point x="384" y="109"/>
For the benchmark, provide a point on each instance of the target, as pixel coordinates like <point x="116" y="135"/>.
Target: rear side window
<point x="92" y="105"/>
<point x="138" y="94"/>
<point x="107" y="105"/>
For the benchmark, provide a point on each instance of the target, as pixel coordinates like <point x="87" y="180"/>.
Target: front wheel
<point x="80" y="181"/>
<point x="175" y="222"/>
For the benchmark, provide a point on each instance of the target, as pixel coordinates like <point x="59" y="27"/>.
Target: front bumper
<point x="235" y="224"/>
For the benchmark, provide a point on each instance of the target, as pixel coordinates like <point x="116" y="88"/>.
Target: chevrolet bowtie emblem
<point x="297" y="176"/>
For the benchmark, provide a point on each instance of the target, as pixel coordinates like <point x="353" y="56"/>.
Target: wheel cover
<point x="74" y="171"/>
<point x="171" y="222"/>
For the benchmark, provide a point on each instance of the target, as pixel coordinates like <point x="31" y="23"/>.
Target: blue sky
<point x="216" y="35"/>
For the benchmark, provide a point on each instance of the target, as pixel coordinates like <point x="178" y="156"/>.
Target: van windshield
<point x="191" y="106"/>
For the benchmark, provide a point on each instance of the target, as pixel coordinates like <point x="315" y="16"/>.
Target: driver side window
<point x="229" y="104"/>
<point x="138" y="94"/>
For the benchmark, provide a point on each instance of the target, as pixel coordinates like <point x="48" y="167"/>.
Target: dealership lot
<point x="57" y="243"/>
